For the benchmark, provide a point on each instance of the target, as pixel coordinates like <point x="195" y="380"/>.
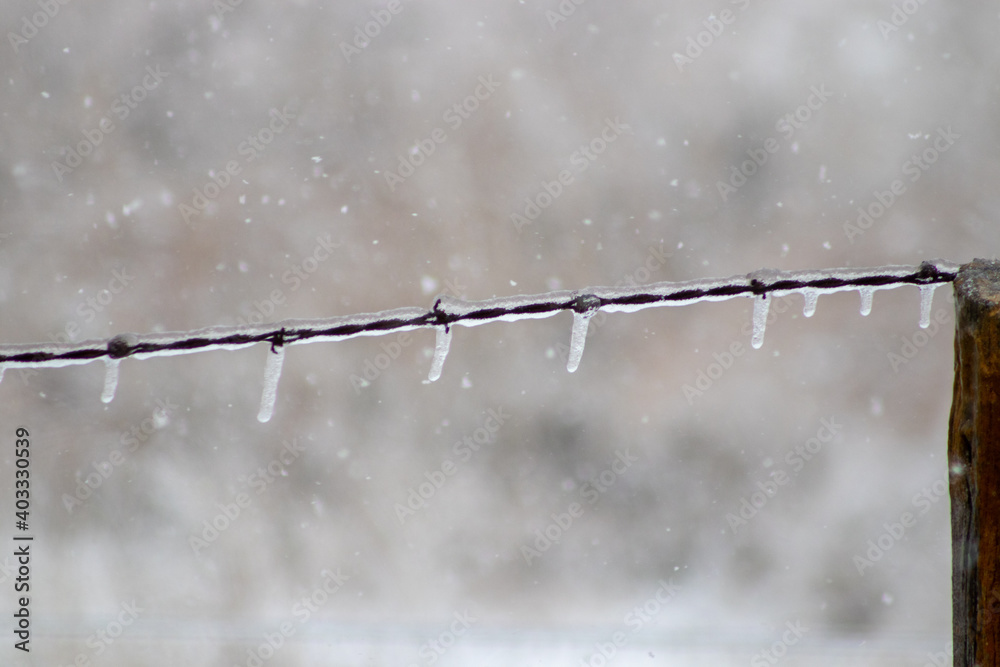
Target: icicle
<point x="3" y="367"/>
<point x="866" y="300"/>
<point x="441" y="344"/>
<point x="272" y="373"/>
<point x="581" y="321"/>
<point x="589" y="304"/>
<point x="811" y="296"/>
<point x="926" y="299"/>
<point x="110" y="379"/>
<point x="761" y="304"/>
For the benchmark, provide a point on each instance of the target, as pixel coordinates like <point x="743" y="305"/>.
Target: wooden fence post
<point x="974" y="463"/>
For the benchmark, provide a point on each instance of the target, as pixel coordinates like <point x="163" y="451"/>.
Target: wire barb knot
<point x="930" y="273"/>
<point x="278" y="340"/>
<point x="586" y="303"/>
<point x="448" y="310"/>
<point x="121" y="345"/>
<point x="440" y="317"/>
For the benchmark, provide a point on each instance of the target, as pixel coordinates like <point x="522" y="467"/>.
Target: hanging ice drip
<point x="272" y="374"/>
<point x="584" y="308"/>
<point x="442" y="342"/>
<point x="448" y="312"/>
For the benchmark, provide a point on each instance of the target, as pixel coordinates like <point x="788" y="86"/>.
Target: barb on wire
<point x="448" y="311"/>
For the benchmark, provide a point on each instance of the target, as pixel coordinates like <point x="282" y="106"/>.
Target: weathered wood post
<point x="974" y="462"/>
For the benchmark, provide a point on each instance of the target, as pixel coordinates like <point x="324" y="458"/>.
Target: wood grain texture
<point x="974" y="460"/>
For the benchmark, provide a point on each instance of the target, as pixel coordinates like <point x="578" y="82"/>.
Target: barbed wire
<point x="448" y="311"/>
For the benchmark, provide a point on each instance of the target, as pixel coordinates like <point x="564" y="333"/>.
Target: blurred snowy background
<point x="169" y="166"/>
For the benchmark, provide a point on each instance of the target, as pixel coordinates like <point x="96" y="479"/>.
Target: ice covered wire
<point x="448" y="312"/>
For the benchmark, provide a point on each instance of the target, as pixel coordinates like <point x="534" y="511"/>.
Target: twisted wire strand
<point x="448" y="311"/>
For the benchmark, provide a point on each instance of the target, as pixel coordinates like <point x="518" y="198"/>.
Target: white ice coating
<point x="218" y="332"/>
<point x="811" y="297"/>
<point x="867" y="293"/>
<point x="581" y="322"/>
<point x="110" y="379"/>
<point x="761" y="304"/>
<point x="926" y="300"/>
<point x="665" y="290"/>
<point x="458" y="308"/>
<point x="489" y="310"/>
<point x="442" y="342"/>
<point x="272" y="373"/>
<point x="365" y="319"/>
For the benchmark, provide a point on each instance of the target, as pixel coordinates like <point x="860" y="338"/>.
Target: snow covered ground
<point x="681" y="498"/>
